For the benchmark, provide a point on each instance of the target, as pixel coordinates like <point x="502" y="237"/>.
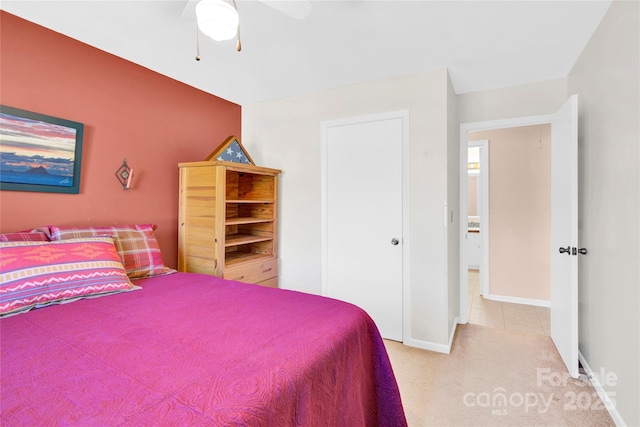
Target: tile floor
<point x="505" y="315"/>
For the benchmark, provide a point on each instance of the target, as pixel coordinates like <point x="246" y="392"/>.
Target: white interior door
<point x="363" y="208"/>
<point x="564" y="233"/>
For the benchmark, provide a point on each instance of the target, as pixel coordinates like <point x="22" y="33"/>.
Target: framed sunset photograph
<point x="39" y="152"/>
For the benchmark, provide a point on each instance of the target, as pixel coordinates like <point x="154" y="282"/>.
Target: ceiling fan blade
<point x="298" y="9"/>
<point x="189" y="11"/>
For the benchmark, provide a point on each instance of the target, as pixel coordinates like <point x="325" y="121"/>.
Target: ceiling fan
<point x="220" y="19"/>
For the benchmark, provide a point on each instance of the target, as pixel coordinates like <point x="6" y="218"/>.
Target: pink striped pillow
<point x="37" y="274"/>
<point x="136" y="244"/>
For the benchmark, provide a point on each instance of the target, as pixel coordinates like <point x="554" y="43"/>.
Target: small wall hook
<point x="124" y="174"/>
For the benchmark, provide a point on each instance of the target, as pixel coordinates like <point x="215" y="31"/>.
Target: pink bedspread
<point x="192" y="349"/>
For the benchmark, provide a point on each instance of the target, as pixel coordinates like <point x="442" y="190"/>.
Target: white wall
<point x="533" y="99"/>
<point x="285" y="134"/>
<point x="607" y="79"/>
<point x="453" y="202"/>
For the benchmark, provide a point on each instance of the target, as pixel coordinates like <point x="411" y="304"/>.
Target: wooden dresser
<point x="228" y="221"/>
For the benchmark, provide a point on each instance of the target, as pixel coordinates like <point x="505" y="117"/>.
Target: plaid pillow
<point x="37" y="274"/>
<point x="136" y="245"/>
<point x="24" y="236"/>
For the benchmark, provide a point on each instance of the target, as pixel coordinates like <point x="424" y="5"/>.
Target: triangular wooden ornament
<point x="231" y="150"/>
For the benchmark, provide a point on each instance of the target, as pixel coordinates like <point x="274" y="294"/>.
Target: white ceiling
<point x="485" y="44"/>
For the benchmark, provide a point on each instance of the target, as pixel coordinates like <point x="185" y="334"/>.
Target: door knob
<point x="582" y="251"/>
<point x="394" y="241"/>
<point x="566" y="250"/>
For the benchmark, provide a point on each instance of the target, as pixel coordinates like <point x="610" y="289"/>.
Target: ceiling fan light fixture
<point x="217" y="19"/>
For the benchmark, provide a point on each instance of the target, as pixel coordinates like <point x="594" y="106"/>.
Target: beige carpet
<point x="493" y="377"/>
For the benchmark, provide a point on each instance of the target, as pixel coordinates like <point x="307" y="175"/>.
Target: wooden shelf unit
<point x="228" y="221"/>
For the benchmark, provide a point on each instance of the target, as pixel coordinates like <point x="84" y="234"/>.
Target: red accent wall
<point x="128" y="111"/>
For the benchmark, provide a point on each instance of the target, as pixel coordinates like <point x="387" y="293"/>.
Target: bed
<point x="191" y="349"/>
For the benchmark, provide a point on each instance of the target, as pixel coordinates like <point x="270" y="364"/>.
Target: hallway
<point x="505" y="315"/>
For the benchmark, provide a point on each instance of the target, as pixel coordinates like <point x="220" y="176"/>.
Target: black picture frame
<point x="39" y="152"/>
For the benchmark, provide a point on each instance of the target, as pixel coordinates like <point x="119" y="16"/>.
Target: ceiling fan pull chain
<point x="197" y="43"/>
<point x="238" y="43"/>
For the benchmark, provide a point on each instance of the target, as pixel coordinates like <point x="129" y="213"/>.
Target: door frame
<point x="405" y="238"/>
<point x="484" y="213"/>
<point x="465" y="128"/>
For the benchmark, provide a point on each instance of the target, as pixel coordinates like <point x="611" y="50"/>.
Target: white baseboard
<point x="516" y="300"/>
<point x="604" y="396"/>
<point x="432" y="346"/>
<point x="427" y="345"/>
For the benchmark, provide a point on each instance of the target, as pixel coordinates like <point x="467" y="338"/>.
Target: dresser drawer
<point x="270" y="283"/>
<point x="253" y="272"/>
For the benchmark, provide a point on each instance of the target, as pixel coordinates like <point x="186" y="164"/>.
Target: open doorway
<point x="508" y="270"/>
<point x="563" y="279"/>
